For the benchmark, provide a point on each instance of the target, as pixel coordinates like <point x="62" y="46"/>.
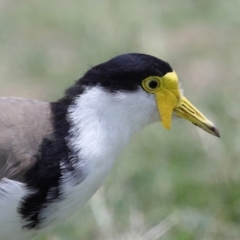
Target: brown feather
<point x="23" y="124"/>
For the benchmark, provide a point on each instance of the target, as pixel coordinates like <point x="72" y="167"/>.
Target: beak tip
<point x="215" y="131"/>
<point x="210" y="129"/>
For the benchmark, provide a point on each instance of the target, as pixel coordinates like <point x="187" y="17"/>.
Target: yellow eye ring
<point x="151" y="84"/>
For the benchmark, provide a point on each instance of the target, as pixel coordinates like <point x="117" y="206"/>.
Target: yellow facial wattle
<point x="167" y="95"/>
<point x="166" y="102"/>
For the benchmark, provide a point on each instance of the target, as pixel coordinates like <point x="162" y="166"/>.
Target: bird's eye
<point x="151" y="84"/>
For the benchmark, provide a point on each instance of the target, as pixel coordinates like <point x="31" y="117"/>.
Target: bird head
<point x="154" y="81"/>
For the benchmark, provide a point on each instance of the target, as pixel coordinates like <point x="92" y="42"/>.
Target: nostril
<point x="190" y="110"/>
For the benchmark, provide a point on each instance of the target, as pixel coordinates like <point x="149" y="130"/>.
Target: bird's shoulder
<point x="23" y="124"/>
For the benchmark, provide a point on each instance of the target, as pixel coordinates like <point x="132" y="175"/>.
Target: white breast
<point x="102" y="124"/>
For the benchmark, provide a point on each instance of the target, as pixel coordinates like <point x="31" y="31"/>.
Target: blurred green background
<point x="180" y="184"/>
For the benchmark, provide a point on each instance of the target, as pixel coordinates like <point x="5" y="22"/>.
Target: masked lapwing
<point x="54" y="156"/>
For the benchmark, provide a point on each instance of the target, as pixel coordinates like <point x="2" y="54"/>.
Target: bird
<point x="55" y="155"/>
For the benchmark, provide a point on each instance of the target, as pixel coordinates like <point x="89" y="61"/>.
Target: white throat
<point x="103" y="123"/>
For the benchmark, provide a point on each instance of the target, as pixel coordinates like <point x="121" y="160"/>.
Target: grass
<point x="181" y="184"/>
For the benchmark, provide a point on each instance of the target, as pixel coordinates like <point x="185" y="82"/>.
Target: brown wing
<point x="23" y="124"/>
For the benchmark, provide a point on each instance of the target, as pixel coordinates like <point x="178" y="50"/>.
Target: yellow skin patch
<point x="167" y="95"/>
<point x="169" y="100"/>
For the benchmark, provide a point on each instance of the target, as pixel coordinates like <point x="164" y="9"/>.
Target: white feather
<point x="103" y="123"/>
<point x="11" y="192"/>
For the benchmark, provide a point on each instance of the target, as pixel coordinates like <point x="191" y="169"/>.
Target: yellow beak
<point x="170" y="101"/>
<point x="187" y="111"/>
